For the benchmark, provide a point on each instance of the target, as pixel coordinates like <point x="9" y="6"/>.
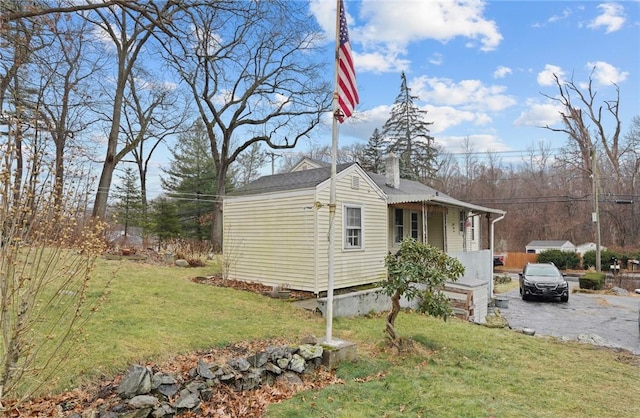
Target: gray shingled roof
<point x="296" y="180"/>
<point x="409" y="191"/>
<point x="548" y="243"/>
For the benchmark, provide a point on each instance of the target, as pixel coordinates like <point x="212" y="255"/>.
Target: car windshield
<point x="548" y="271"/>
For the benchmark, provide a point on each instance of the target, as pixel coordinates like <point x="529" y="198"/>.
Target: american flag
<point x="347" y="90"/>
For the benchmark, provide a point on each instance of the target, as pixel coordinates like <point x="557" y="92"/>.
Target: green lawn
<point x="457" y="369"/>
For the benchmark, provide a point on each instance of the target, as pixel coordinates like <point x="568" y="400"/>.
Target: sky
<point x="483" y="69"/>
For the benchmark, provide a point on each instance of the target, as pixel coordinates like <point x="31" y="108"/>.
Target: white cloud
<point x="502" y="72"/>
<point x="539" y="114"/>
<point x="471" y="95"/>
<point x="612" y="17"/>
<point x="380" y="62"/>
<point x="390" y="26"/>
<point x="606" y="74"/>
<point x="397" y="22"/>
<point x="565" y="14"/>
<point x="446" y="117"/>
<point x="479" y="142"/>
<point x="436" y="59"/>
<point x="546" y="77"/>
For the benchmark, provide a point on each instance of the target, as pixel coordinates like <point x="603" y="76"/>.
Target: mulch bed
<point x="249" y="287"/>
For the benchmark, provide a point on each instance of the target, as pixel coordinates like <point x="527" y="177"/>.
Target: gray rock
<point x="259" y="359"/>
<point x="310" y="339"/>
<point x="204" y="370"/>
<point x="187" y="400"/>
<point x="143" y="401"/>
<point x="163" y="410"/>
<point x="182" y="263"/>
<point x="194" y="387"/>
<point x="291" y="379"/>
<point x="168" y="390"/>
<point x="249" y="380"/>
<point x="620" y="291"/>
<point x="136" y="413"/>
<point x="272" y="368"/>
<point x="283" y="362"/>
<point x="275" y="353"/>
<point x="162" y="379"/>
<point x="309" y="352"/>
<point x="239" y="364"/>
<point x="297" y="364"/>
<point x="137" y="381"/>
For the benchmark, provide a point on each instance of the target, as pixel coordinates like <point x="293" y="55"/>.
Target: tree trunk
<point x="216" y="222"/>
<point x="391" y="318"/>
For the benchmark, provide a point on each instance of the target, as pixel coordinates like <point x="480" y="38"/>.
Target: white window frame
<point x="398" y="229"/>
<point x="346" y="245"/>
<point x="414" y="229"/>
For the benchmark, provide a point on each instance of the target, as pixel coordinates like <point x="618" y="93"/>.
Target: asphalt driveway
<point x="606" y="320"/>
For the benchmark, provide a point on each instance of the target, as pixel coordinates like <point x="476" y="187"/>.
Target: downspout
<point x="492" y="244"/>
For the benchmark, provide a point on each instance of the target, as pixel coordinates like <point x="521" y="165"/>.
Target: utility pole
<point x="596" y="211"/>
<point x="273" y="156"/>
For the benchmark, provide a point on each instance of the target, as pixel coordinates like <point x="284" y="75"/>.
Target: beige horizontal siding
<point x="354" y="267"/>
<point x="270" y="239"/>
<point x="274" y="239"/>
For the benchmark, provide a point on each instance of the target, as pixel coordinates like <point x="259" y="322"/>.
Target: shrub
<point x="562" y="259"/>
<point x="589" y="259"/>
<point x="419" y="271"/>
<point x="593" y="281"/>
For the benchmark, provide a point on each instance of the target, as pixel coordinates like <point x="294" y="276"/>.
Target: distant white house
<point x="536" y="247"/>
<point x="588" y="246"/>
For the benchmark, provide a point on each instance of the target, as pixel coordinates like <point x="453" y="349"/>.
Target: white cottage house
<point x="538" y="246"/>
<point x="276" y="228"/>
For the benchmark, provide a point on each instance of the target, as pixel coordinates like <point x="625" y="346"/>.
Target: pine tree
<point x="129" y="201"/>
<point x="373" y="154"/>
<point x="191" y="182"/>
<point x="166" y="223"/>
<point x="407" y="133"/>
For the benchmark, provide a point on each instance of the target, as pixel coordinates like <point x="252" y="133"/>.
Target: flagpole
<point x="332" y="186"/>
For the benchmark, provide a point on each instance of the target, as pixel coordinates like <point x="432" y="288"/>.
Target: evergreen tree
<point x="407" y="133"/>
<point x="373" y="155"/>
<point x="191" y="182"/>
<point x="129" y="210"/>
<point x="166" y="223"/>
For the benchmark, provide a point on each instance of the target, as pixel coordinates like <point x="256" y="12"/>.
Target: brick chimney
<point x="392" y="171"/>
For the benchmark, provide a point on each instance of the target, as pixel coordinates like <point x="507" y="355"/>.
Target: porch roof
<point x="416" y="192"/>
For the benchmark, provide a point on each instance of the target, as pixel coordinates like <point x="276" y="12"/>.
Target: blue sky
<point x="480" y="68"/>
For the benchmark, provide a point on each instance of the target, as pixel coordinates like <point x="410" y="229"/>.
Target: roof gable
<point x="549" y="243"/>
<point x="294" y="180"/>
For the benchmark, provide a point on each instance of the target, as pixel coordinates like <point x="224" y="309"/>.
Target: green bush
<point x="592" y="280"/>
<point x="562" y="259"/>
<point x="589" y="259"/>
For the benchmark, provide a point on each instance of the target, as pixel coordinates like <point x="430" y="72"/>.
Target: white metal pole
<point x="332" y="188"/>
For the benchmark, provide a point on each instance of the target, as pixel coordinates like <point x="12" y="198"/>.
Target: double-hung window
<point x="398" y="225"/>
<point x="353" y="230"/>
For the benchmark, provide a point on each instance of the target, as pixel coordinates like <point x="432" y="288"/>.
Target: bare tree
<point x="584" y="122"/>
<point x="153" y="111"/>
<point x="250" y="163"/>
<point x="253" y="74"/>
<point x="129" y="31"/>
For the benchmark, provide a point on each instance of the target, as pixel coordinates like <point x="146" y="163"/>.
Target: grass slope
<point x="457" y="369"/>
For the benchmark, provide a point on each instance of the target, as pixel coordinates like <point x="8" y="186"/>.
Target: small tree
<point x="129" y="207"/>
<point x="420" y="271"/>
<point x="166" y="224"/>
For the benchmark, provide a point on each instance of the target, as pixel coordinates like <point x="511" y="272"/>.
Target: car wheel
<point x="564" y="298"/>
<point x="524" y="296"/>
